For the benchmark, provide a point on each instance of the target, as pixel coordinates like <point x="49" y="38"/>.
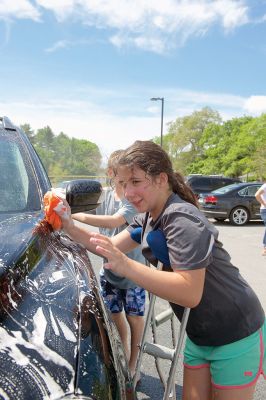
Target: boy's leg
<point x="136" y="324"/>
<point x="113" y="299"/>
<point x="121" y="324"/>
<point x="134" y="304"/>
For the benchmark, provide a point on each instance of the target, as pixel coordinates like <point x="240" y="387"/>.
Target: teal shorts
<point x="234" y="365"/>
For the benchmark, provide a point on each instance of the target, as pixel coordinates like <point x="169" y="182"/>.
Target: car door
<point x="248" y="196"/>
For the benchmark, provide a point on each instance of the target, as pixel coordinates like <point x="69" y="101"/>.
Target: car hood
<point x="53" y="339"/>
<point x="16" y="230"/>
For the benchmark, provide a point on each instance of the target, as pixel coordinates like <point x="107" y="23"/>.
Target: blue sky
<point x="89" y="67"/>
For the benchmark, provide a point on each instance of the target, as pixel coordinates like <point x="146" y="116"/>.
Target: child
<point x="224" y="353"/>
<point x="119" y="293"/>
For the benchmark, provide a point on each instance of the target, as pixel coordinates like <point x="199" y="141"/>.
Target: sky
<point x="89" y="68"/>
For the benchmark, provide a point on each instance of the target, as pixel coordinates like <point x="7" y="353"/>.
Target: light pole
<point x="162" y="100"/>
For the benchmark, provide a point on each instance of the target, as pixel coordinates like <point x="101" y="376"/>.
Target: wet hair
<point x="153" y="160"/>
<point x="113" y="164"/>
<point x="113" y="160"/>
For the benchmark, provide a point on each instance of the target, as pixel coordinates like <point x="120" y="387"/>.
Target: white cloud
<point x="256" y="105"/>
<point x="61" y="44"/>
<point x="83" y="120"/>
<point x="18" y="9"/>
<point x="98" y="122"/>
<point x="153" y="44"/>
<point x="150" y="25"/>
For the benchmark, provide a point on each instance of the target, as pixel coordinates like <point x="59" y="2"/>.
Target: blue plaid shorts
<point x="132" y="300"/>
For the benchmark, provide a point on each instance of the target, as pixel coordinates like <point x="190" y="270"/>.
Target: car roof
<point x="235" y="186"/>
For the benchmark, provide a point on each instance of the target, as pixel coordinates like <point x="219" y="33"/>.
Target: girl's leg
<point x="234" y="394"/>
<point x="136" y="324"/>
<point x="263" y="217"/>
<point x="121" y="324"/>
<point x="197" y="384"/>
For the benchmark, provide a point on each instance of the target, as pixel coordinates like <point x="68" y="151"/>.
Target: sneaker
<point x="264" y="251"/>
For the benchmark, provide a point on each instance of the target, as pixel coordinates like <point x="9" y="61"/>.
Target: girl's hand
<point x="117" y="261"/>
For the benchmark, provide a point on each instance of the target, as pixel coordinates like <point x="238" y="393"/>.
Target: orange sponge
<point x="50" y="202"/>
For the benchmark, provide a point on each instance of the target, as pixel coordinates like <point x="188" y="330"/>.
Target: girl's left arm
<point x="181" y="287"/>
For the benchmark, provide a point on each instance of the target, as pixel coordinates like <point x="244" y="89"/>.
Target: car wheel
<point x="239" y="216"/>
<point x="220" y="219"/>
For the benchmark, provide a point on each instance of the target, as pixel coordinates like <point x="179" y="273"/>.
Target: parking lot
<point x="244" y="246"/>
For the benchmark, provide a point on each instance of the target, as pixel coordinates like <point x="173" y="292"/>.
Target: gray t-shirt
<point x="110" y="206"/>
<point x="229" y="309"/>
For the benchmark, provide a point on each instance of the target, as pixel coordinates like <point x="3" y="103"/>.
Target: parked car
<point x="206" y="183"/>
<point x="56" y="338"/>
<point x="236" y="202"/>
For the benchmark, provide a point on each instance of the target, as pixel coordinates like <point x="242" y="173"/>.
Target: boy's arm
<point x="101" y="221"/>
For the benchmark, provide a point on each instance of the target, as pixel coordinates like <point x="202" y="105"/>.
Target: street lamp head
<point x="162" y="100"/>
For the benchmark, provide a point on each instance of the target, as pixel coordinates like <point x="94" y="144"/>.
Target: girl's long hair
<point x="152" y="159"/>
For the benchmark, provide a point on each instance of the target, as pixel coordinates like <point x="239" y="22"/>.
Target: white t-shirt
<point x="263" y="195"/>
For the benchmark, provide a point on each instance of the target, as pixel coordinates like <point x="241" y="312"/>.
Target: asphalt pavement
<point x="244" y="244"/>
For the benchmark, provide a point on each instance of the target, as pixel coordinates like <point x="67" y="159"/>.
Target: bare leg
<point x="121" y="324"/>
<point x="234" y="394"/>
<point x="197" y="384"/>
<point x="136" y="324"/>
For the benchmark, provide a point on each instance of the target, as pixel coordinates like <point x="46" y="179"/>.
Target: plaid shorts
<point x="132" y="300"/>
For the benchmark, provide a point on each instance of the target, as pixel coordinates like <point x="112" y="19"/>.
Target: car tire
<point x="239" y="216"/>
<point x="220" y="219"/>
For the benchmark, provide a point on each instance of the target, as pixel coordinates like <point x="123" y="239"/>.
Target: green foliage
<point x="29" y="132"/>
<point x="197" y="143"/>
<point x="183" y="142"/>
<point x="203" y="143"/>
<point x="62" y="155"/>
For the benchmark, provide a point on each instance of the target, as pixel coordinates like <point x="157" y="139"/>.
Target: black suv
<point x="56" y="338"/>
<point x="207" y="183"/>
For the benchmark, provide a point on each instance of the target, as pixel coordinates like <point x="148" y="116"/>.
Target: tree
<point x="184" y="135"/>
<point x="29" y="132"/>
<point x="43" y="143"/>
<point x="62" y="155"/>
<point x="223" y="148"/>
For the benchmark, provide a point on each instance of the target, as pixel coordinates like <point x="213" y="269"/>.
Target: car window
<point x="226" y="189"/>
<point x="200" y="183"/>
<point x="18" y="187"/>
<point x="249" y="191"/>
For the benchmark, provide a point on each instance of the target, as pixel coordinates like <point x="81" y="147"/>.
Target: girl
<point x="224" y="353"/>
<point x="261" y="197"/>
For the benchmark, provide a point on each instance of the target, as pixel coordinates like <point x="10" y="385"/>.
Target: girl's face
<point x="146" y="193"/>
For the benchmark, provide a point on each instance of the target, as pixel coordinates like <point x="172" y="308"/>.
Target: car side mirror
<point x="83" y="195"/>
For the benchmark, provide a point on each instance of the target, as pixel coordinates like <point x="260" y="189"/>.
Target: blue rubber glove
<point x="157" y="243"/>
<point x="136" y="234"/>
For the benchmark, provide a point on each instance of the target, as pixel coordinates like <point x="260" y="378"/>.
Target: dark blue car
<point x="235" y="202"/>
<point x="56" y="338"/>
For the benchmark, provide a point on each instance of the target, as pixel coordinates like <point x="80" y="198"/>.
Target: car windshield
<point x="226" y="189"/>
<point x="18" y="185"/>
